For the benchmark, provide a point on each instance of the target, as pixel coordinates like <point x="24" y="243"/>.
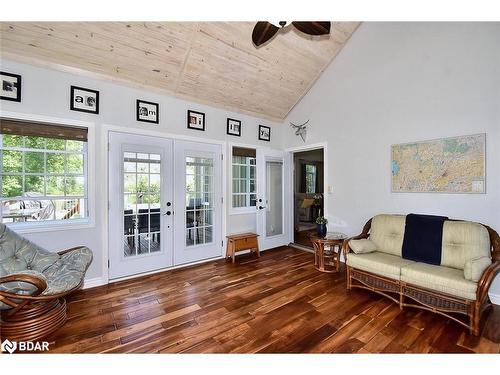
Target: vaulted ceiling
<point x="207" y="62"/>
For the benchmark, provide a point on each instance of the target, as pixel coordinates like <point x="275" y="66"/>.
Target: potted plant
<point x="321" y="222"/>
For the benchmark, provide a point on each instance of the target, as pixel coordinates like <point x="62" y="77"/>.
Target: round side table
<point x="327" y="251"/>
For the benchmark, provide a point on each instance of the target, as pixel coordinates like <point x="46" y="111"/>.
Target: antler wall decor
<point x="300" y="129"/>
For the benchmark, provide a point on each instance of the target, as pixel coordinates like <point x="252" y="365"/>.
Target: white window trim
<point x="52" y="226"/>
<point x="247" y="209"/>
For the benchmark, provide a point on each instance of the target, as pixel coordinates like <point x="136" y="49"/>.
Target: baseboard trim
<point x="92" y="283"/>
<point x="494" y="298"/>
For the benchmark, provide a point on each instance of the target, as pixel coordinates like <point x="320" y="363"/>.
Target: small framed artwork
<point x="233" y="127"/>
<point x="11" y="86"/>
<point x="84" y="100"/>
<point x="196" y="120"/>
<point x="264" y="133"/>
<point x="148" y="111"/>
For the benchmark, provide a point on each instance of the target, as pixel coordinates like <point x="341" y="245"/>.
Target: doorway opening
<point x="308" y="192"/>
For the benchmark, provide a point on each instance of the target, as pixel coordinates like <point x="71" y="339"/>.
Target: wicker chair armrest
<point x="34" y="280"/>
<point x="485" y="281"/>
<point x="68" y="250"/>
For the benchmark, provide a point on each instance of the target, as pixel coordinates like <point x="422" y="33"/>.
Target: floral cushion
<point x="18" y="256"/>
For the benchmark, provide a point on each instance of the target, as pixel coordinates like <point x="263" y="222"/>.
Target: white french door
<point x="164" y="203"/>
<point x="272" y="172"/>
<point x="198" y="197"/>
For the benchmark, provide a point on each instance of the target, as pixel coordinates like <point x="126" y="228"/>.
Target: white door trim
<point x="293" y="150"/>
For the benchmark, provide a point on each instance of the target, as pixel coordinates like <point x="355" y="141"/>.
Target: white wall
<point x="46" y="92"/>
<point x="403" y="82"/>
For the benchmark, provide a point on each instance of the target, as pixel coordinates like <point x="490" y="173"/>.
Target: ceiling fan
<point x="264" y="31"/>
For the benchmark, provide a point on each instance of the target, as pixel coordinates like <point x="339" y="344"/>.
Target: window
<point x="311" y="178"/>
<point x="244" y="178"/>
<point x="43" y="172"/>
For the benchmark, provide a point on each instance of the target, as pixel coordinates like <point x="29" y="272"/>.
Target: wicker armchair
<point x="33" y="283"/>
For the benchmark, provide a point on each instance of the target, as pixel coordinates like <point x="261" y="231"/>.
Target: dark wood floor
<point x="304" y="237"/>
<point x="278" y="303"/>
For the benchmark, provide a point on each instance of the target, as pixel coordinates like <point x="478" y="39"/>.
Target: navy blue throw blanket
<point x="423" y="238"/>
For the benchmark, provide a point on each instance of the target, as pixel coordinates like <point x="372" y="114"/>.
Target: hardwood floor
<point x="276" y="304"/>
<point x="304" y="237"/>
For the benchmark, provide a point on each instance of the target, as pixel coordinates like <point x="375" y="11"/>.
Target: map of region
<point x="448" y="165"/>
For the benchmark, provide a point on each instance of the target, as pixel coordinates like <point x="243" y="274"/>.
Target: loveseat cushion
<point x="379" y="263"/>
<point x="440" y="279"/>
<point x="362" y="246"/>
<point x="466" y="246"/>
<point x="387" y="232"/>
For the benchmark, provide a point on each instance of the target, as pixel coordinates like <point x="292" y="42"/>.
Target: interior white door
<point x="140" y="204"/>
<point x="198" y="202"/>
<point x="272" y="172"/>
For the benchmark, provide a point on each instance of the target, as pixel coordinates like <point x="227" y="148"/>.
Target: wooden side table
<point x="328" y="260"/>
<point x="240" y="242"/>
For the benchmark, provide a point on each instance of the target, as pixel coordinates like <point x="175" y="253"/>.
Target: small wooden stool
<point x="240" y="242"/>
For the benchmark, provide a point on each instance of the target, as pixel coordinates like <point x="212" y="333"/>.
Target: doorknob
<point x="168" y="213"/>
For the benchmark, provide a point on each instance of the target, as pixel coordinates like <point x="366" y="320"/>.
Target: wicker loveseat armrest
<point x="364" y="234"/>
<point x="485" y="281"/>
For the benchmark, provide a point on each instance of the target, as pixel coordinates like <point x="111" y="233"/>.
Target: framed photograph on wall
<point x="196" y="120"/>
<point x="11" y="86"/>
<point x="233" y="127"/>
<point x="264" y="133"/>
<point x="84" y="100"/>
<point x="148" y="111"/>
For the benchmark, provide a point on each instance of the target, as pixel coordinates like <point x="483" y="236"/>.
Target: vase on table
<point x="321" y="229"/>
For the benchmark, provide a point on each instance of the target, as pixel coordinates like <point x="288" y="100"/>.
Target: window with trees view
<point x="43" y="171"/>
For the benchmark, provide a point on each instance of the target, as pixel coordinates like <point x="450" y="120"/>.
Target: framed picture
<point x="148" y="111"/>
<point x="233" y="127"/>
<point x="264" y="133"/>
<point x="11" y="86"/>
<point x="84" y="100"/>
<point x="196" y="120"/>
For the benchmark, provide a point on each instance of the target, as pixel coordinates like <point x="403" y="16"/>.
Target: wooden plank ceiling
<point x="208" y="62"/>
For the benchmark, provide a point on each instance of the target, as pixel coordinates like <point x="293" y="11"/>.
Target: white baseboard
<point x="91" y="283"/>
<point x="494" y="298"/>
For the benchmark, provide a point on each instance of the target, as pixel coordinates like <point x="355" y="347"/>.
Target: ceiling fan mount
<point x="265" y="31"/>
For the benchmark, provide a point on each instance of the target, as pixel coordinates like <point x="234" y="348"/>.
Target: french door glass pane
<point x="274" y="194"/>
<point x="199" y="200"/>
<point x="141" y="198"/>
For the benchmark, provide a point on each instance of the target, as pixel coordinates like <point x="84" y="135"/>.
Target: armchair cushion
<point x="68" y="271"/>
<point x="62" y="273"/>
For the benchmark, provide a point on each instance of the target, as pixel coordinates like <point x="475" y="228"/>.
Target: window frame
<point x="248" y="208"/>
<point x="315" y="177"/>
<point x="89" y="177"/>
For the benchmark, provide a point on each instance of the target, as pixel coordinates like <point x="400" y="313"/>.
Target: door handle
<point x="262" y="207"/>
<point x="168" y="213"/>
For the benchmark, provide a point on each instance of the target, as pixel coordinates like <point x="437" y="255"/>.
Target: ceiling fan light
<point x="277" y="23"/>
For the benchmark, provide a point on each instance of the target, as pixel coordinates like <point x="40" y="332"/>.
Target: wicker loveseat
<point x="33" y="283"/>
<point x="457" y="288"/>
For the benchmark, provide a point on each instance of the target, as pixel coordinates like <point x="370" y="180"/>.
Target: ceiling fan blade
<point x="313" y="28"/>
<point x="262" y="32"/>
